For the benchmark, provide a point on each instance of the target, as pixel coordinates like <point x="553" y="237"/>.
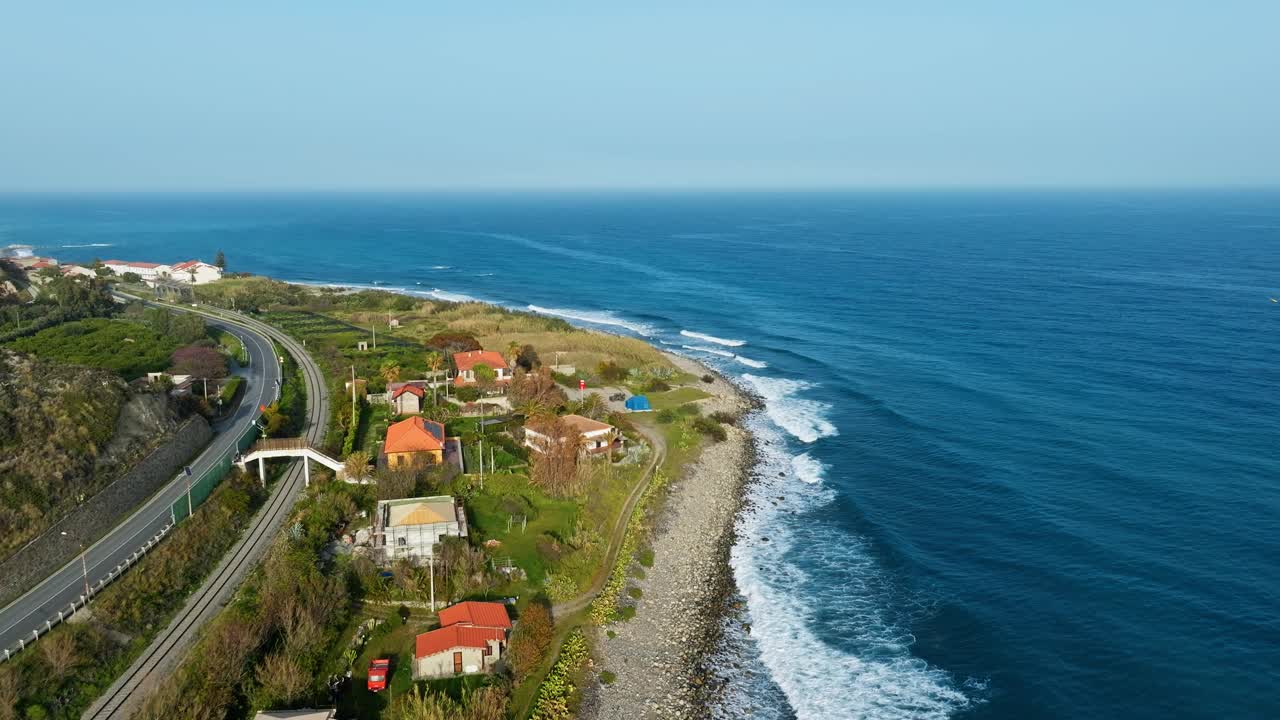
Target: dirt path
<point x="568" y="607"/>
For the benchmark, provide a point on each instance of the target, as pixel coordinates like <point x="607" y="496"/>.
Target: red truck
<point x="378" y="671"/>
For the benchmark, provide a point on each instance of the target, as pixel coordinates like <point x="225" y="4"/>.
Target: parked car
<point x="378" y="671"/>
<point x="617" y="397"/>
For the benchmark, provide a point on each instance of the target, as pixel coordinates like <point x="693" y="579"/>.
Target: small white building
<point x="195" y="272"/>
<point x="296" y="715"/>
<point x="471" y="639"/>
<point x="411" y="527"/>
<point x="149" y="272"/>
<point x="593" y="436"/>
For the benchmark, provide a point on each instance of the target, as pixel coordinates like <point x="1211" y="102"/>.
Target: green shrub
<point x="626" y="612"/>
<point x="708" y="378"/>
<point x="710" y="428"/>
<point x="557" y="689"/>
<point x="724" y="418"/>
<point x="635" y="593"/>
<point x="646" y="557"/>
<point x="667" y="416"/>
<point x="607" y="677"/>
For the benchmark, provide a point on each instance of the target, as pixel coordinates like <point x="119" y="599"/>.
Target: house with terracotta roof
<point x="407" y="399"/>
<point x="410" y="528"/>
<point x="149" y="272"/>
<point x="415" y="442"/>
<point x="592" y="436"/>
<point x="79" y="270"/>
<point x="195" y="272"/>
<point x="466" y="363"/>
<point x="471" y="639"/>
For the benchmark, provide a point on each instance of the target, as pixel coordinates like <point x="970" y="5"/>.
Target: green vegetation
<point x="676" y="397"/>
<point x="229" y="390"/>
<point x="66" y="670"/>
<point x="508" y="499"/>
<point x="605" y="607"/>
<point x="607" y="677"/>
<point x="559" y="690"/>
<point x="128" y="348"/>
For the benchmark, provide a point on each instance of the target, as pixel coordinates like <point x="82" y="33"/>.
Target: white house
<point x="195" y="272"/>
<point x="594" y="436"/>
<point x="149" y="272"/>
<point x="410" y="528"/>
<point x="471" y="639"/>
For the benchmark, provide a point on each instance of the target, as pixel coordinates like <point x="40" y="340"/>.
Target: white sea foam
<point x="89" y="245"/>
<point x="757" y="364"/>
<point x="713" y="339"/>
<point x="804" y="418"/>
<point x="441" y="267"/>
<point x="594" y="317"/>
<point x="447" y="296"/>
<point x="867" y="670"/>
<point x="712" y="351"/>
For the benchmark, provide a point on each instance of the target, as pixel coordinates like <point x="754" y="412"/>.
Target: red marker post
<point x="582" y="388"/>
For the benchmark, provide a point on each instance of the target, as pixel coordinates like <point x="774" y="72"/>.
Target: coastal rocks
<point x="659" y="655"/>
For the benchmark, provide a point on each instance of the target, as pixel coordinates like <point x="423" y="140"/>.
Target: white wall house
<point x="593" y="435"/>
<point x="410" y="528"/>
<point x="149" y="272"/>
<point x="195" y="272"/>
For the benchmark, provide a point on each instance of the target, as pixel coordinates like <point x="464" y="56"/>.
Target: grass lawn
<point x="397" y="645"/>
<point x="374" y="420"/>
<point x="676" y="397"/>
<point x="508" y="494"/>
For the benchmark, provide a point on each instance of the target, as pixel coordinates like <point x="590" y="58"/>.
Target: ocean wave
<point x="594" y="317"/>
<point x="447" y="296"/>
<point x="441" y="267"/>
<point x="868" y="671"/>
<point x="713" y="351"/>
<point x="88" y="245"/>
<point x="757" y="364"/>
<point x="805" y="419"/>
<point x="713" y="339"/>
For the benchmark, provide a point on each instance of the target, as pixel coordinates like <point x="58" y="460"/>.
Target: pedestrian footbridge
<point x="264" y="450"/>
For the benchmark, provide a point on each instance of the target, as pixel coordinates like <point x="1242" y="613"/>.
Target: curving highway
<point x="162" y="656"/>
<point x="40" y="607"/>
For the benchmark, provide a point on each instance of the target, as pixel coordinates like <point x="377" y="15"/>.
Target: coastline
<point x="659" y="657"/>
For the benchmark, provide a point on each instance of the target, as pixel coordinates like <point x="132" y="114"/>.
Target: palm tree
<point x="390" y="371"/>
<point x="435" y="363"/>
<point x="513" y="351"/>
<point x="356" y="465"/>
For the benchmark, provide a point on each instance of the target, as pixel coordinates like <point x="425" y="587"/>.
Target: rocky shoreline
<point x="659" y="657"/>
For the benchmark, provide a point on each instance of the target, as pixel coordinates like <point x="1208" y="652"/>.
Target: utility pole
<point x="353" y="393"/>
<point x="431" y="559"/>
<point x="374" y="328"/>
<point x="186" y="472"/>
<point x="84" y="568"/>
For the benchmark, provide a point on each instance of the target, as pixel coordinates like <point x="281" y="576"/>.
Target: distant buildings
<point x="466" y="363"/>
<point x="193" y="272"/>
<point x="410" y="528"/>
<point x="471" y="639"/>
<point x="592" y="436"/>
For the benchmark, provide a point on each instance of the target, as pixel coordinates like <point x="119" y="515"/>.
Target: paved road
<point x="124" y="696"/>
<point x="21" y="618"/>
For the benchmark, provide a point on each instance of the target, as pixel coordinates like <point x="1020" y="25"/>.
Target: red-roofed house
<point x="466" y="363"/>
<point x="414" y="442"/>
<point x="196" y="272"/>
<point x="145" y="270"/>
<point x="472" y="640"/>
<point x="480" y="614"/>
<point x="407" y="399"/>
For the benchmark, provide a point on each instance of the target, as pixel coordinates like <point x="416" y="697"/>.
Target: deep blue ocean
<point x="1027" y="445"/>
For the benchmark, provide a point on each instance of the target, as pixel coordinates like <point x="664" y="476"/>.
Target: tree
<point x="282" y="678"/>
<point x="201" y="362"/>
<point x="131" y="277"/>
<point x="186" y="328"/>
<point x="611" y="371"/>
<point x="555" y="461"/>
<point x="488" y="703"/>
<point x="356" y="465"/>
<point x="592" y="406"/>
<point x="535" y="391"/>
<point x="513" y="351"/>
<point x="395" y="484"/>
<point x="485" y="375"/>
<point x="450" y="343"/>
<point x="390" y="371"/>
<point x="428" y="705"/>
<point x="220" y="260"/>
<point x="528" y="358"/>
<point x="531" y="639"/>
<point x="59" y="653"/>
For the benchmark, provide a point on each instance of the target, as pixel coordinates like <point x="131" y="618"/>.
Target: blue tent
<point x="638" y="403"/>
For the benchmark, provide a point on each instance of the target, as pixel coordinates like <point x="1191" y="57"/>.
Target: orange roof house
<point x="472" y="639"/>
<point x="466" y="363"/>
<point x="479" y="614"/>
<point x="415" y="441"/>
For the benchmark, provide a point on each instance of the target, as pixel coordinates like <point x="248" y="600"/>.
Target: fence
<point x="203" y="486"/>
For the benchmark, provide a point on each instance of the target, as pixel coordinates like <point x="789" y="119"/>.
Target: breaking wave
<point x="803" y="418"/>
<point x="713" y="351"/>
<point x="757" y="364"/>
<point x="867" y="669"/>
<point x="713" y="339"/>
<point x="594" y="317"/>
<point x="88" y="245"/>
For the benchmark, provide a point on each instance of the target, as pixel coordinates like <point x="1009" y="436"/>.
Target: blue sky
<point x="423" y="95"/>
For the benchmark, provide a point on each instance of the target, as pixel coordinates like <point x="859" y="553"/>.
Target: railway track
<point x="125" y="695"/>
